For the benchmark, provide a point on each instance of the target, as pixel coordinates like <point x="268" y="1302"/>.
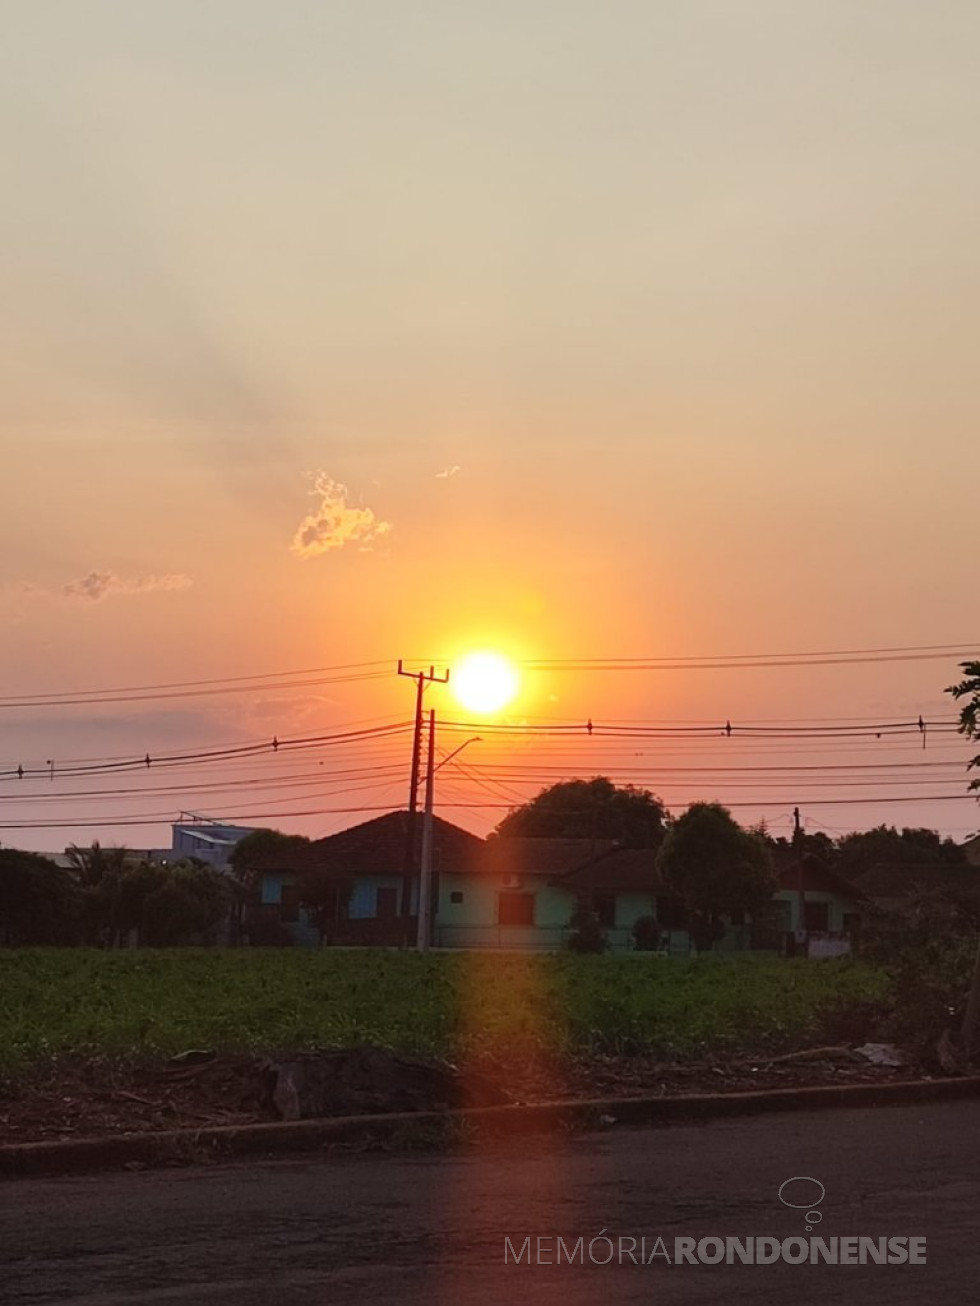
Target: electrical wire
<point x="251" y="814"/>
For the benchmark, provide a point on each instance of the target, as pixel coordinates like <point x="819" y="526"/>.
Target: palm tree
<point x="98" y="872"/>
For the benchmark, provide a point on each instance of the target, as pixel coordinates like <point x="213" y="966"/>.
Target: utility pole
<point x="422" y="678"/>
<point x="425" y="870"/>
<point x="426" y="912"/>
<point x="797" y="833"/>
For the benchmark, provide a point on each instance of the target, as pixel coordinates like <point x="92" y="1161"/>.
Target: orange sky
<point x="638" y="330"/>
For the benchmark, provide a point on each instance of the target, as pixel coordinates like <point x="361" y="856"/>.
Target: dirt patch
<point x="100" y="1099"/>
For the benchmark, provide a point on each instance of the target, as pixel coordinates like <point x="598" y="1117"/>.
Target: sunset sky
<point x="339" y="332"/>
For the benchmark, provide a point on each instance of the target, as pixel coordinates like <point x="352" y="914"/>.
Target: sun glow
<point x="484" y="682"/>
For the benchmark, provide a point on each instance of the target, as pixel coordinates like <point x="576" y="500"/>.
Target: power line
<point x="249" y="814"/>
<point x="824" y="657"/>
<point x="169" y="759"/>
<point x="729" y="729"/>
<point x="265" y="687"/>
<point x="381" y="668"/>
<point x="258" y="676"/>
<point x="298" y="779"/>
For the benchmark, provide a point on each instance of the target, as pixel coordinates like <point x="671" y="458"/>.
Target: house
<point x="622" y="885"/>
<point x="515" y="893"/>
<point x="366" y="863"/>
<point x="201" y="837"/>
<point x="816" y="910"/>
<point x="373" y="856"/>
<point x="522" y="893"/>
<point x="494" y="893"/>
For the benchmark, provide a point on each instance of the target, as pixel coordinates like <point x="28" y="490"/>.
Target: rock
<point x="368" y="1080"/>
<point x="192" y="1057"/>
<point x="882" y="1054"/>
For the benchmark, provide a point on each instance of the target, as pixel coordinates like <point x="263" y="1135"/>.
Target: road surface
<point x="432" y="1228"/>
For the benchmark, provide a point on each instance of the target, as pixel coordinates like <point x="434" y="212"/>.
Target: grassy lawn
<point x="147" y="1004"/>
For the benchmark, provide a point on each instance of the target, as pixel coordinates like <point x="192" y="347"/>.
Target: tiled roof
<point x="504" y="855"/>
<point x="818" y="877"/>
<point x="621" y="870"/>
<point x="378" y="846"/>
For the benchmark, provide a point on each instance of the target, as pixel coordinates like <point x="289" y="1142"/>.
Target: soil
<point x="200" y="1089"/>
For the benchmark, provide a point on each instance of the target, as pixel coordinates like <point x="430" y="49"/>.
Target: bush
<point x="928" y="955"/>
<point x="647" y="934"/>
<point x="265" y="933"/>
<point x="589" y="935"/>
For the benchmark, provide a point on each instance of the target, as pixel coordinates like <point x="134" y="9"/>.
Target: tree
<point x="590" y="809"/>
<point x="717" y="869"/>
<point x="815" y="844"/>
<point x="264" y="850"/>
<point x="863" y="849"/>
<point x="325" y="898"/>
<point x="97" y="872"/>
<point x="184" y="903"/>
<point x="969" y="688"/>
<point x="39" y="901"/>
<point x="135" y="888"/>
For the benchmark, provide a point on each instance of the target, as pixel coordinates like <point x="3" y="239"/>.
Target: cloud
<point x="447" y="472"/>
<point x="100" y="584"/>
<point x="19" y="589"/>
<point x="336" y="523"/>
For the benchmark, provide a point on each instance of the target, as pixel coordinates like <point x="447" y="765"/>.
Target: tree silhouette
<point x="716" y="869"/>
<point x="590" y="809"/>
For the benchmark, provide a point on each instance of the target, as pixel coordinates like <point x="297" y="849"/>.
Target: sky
<point x="349" y="332"/>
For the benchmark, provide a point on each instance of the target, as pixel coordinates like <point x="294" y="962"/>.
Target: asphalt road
<point x="432" y="1228"/>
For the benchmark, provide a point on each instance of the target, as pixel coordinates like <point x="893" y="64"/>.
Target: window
<point x="816" y="917"/>
<point x="386" y="908"/>
<point x="605" y="909"/>
<point x="456" y="896"/>
<point x="516" y="909"/>
<point x="289" y="903"/>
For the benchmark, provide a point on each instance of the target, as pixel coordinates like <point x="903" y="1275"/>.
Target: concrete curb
<point x="195" y="1146"/>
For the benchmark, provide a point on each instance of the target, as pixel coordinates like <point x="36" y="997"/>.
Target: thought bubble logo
<point x="812" y="1216"/>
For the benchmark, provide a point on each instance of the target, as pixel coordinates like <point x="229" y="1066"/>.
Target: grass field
<point x="146" y="1004"/>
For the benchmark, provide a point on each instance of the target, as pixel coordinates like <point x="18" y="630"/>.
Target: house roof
<point x="204" y="835"/>
<point x="618" y="870"/>
<point x="378" y="846"/>
<point x="818" y="877"/>
<point x="528" y="855"/>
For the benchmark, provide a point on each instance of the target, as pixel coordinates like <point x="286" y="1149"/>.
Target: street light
<point x="425" y="869"/>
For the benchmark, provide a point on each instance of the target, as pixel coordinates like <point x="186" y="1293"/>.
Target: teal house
<point x="522" y="893"/>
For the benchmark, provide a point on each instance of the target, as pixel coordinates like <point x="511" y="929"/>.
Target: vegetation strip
<point x="76" y="1007"/>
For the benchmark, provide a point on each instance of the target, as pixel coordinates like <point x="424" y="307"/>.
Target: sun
<point x="484" y="682"/>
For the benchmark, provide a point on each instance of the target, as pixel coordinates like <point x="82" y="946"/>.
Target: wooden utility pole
<point x="797" y="833"/>
<point x="422" y="678"/>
